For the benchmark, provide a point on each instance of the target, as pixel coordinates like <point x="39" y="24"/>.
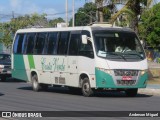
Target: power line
<point x="16" y="15"/>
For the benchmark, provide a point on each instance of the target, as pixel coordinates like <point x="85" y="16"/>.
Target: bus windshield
<point x="118" y="46"/>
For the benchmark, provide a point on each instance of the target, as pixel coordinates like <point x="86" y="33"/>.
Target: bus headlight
<point x="105" y="70"/>
<point x="143" y="72"/>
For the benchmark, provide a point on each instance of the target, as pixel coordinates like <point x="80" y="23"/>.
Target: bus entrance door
<point x="72" y="76"/>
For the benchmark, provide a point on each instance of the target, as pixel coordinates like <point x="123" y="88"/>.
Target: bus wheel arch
<point x="81" y="78"/>
<point x="34" y="81"/>
<point x="85" y="85"/>
<point x="33" y="73"/>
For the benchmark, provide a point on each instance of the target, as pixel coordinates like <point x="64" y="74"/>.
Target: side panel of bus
<point x="57" y="58"/>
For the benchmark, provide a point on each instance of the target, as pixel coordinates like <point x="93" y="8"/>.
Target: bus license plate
<point x="127" y="78"/>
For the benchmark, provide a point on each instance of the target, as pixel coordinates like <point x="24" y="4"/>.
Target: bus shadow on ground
<point x="64" y="90"/>
<point x="12" y="80"/>
<point x="118" y="95"/>
<point x="59" y="90"/>
<point x="1" y="94"/>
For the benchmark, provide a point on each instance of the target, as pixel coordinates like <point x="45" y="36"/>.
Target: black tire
<point x="3" y="78"/>
<point x="131" y="92"/>
<point x="86" y="88"/>
<point x="36" y="86"/>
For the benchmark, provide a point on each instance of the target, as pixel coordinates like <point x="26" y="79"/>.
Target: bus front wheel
<point x="131" y="92"/>
<point x="86" y="88"/>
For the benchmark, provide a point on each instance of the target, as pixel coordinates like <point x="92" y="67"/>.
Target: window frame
<point x="66" y="46"/>
<point x="16" y="43"/>
<point x="54" y="52"/>
<point x="37" y="39"/>
<point x="92" y="56"/>
<point x="26" y="43"/>
<point x="77" y="32"/>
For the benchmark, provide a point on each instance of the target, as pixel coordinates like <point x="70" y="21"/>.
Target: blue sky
<point x="22" y="7"/>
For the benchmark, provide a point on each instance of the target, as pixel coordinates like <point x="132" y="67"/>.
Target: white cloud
<point x="51" y="13"/>
<point x="15" y="3"/>
<point x="2" y="8"/>
<point x="23" y="7"/>
<point x="30" y="8"/>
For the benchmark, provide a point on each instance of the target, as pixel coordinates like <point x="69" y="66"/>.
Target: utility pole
<point x="13" y="14"/>
<point x="66" y="13"/>
<point x="73" y="17"/>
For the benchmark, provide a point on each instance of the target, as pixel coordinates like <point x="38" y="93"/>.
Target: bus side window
<point x="39" y="43"/>
<point x="17" y="49"/>
<point x="73" y="47"/>
<point x="63" y="43"/>
<point x="51" y="43"/>
<point x="86" y="49"/>
<point x="30" y="43"/>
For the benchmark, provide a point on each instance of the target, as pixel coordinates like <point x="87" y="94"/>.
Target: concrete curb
<point x="149" y="91"/>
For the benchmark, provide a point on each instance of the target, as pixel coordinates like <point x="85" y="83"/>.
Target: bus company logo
<point x="6" y="114"/>
<point x="55" y="64"/>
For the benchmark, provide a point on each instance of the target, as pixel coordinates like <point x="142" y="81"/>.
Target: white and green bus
<point x="89" y="58"/>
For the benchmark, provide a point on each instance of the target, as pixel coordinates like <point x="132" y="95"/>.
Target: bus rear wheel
<point x="86" y="88"/>
<point x="35" y="84"/>
<point x="131" y="92"/>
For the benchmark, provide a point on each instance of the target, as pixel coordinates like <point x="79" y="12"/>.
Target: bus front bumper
<point x="107" y="81"/>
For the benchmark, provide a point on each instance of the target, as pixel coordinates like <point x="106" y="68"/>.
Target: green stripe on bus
<point x="19" y="70"/>
<point x="31" y="62"/>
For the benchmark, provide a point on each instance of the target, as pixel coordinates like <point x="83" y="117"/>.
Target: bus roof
<point x="28" y="30"/>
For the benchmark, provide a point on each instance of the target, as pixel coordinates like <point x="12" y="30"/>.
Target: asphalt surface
<point x="18" y="96"/>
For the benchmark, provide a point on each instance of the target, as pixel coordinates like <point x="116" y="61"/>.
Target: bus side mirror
<point x="84" y="39"/>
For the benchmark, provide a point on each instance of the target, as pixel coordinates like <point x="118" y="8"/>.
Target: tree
<point x="105" y="8"/>
<point x="132" y="8"/>
<point x="9" y="29"/>
<point x="149" y="27"/>
<point x="99" y="4"/>
<point x="6" y="34"/>
<point x="86" y="15"/>
<point x="53" y="23"/>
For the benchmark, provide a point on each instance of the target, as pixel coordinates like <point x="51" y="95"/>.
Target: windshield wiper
<point x="116" y="54"/>
<point x="134" y="53"/>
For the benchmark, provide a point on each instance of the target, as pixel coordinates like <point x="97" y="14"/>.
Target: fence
<point x="153" y="55"/>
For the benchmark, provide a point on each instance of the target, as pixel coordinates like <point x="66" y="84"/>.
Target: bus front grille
<point x="126" y="72"/>
<point x="126" y="82"/>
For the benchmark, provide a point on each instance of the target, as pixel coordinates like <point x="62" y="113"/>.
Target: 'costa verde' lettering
<point x="56" y="64"/>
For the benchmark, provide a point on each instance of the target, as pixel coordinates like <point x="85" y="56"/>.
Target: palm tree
<point x="99" y="4"/>
<point x="105" y="7"/>
<point x="132" y="8"/>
